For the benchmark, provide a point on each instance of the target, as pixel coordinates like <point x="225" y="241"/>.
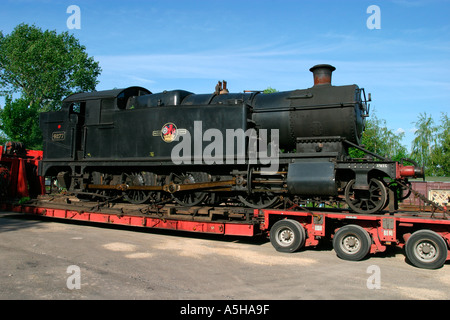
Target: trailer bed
<point x="424" y="235"/>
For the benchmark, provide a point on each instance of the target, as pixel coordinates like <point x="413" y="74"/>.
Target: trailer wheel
<point x="426" y="249"/>
<point x="287" y="235"/>
<point x="352" y="242"/>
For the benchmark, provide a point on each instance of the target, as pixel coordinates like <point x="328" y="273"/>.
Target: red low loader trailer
<point x="424" y="236"/>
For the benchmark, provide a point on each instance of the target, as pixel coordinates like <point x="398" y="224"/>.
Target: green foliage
<point x="24" y="200"/>
<point x="431" y="147"/>
<point x="42" y="67"/>
<point x="440" y="153"/>
<point x="19" y="120"/>
<point x="378" y="139"/>
<point x="421" y="145"/>
<point x="270" y="90"/>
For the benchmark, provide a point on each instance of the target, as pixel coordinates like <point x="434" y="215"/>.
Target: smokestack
<point x="322" y="74"/>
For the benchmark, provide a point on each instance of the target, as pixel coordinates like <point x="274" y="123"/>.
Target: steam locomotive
<point x="253" y="149"/>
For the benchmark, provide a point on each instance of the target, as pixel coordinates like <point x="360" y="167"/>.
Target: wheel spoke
<point x="189" y="198"/>
<point x="259" y="201"/>
<point x="366" y="201"/>
<point x="136" y="196"/>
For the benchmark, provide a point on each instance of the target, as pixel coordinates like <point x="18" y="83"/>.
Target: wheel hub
<point x="426" y="251"/>
<point x="351" y="244"/>
<point x="286" y="237"/>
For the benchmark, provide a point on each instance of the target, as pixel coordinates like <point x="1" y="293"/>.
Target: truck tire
<point x="352" y="242"/>
<point x="287" y="235"/>
<point x="426" y="249"/>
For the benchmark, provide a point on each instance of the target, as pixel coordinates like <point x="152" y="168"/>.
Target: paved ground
<point x="49" y="259"/>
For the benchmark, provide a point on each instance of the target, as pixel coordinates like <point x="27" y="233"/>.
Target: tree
<point x="270" y="90"/>
<point x="20" y="118"/>
<point x="423" y="142"/>
<point x="42" y="67"/>
<point x="440" y="152"/>
<point x="380" y="140"/>
<point x="431" y="146"/>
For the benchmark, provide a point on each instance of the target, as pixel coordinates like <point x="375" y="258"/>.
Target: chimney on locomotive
<point x="322" y="74"/>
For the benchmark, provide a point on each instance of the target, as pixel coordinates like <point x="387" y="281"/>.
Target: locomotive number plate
<point x="59" y="136"/>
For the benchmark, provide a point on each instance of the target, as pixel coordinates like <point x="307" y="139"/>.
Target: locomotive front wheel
<point x="426" y="249"/>
<point x="287" y="235"/>
<point x="352" y="242"/>
<point x="366" y="201"/>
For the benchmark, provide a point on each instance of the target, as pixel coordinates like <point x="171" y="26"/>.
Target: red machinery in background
<point x="19" y="172"/>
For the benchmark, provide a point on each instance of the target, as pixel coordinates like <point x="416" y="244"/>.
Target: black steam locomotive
<point x="253" y="149"/>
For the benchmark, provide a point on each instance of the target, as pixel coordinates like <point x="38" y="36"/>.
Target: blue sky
<point x="192" y="44"/>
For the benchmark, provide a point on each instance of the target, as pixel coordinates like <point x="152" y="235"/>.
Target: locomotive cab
<point x="71" y="132"/>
